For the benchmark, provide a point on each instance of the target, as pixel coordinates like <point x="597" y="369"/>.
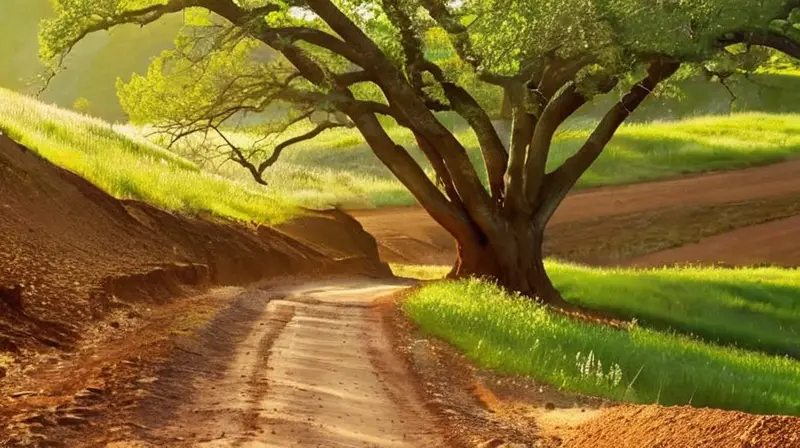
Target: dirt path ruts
<point x="311" y="368"/>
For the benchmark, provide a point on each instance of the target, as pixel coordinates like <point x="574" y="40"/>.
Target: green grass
<point x="757" y="309"/>
<point x="636" y="364"/>
<point x="753" y="308"/>
<point x="641" y="152"/>
<point x="337" y="168"/>
<point x="127" y="166"/>
<point x="419" y="272"/>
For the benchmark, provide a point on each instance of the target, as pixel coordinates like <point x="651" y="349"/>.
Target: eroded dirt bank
<point x="70" y="253"/>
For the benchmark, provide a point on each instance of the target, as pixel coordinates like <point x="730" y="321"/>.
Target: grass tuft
<point x="419" y="272"/>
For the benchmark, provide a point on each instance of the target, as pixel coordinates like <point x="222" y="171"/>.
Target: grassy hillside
<point x="662" y="363"/>
<point x="338" y="168"/>
<point x="130" y="167"/>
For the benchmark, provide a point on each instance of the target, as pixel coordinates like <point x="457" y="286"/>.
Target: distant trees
<point x="353" y="61"/>
<point x="81" y="105"/>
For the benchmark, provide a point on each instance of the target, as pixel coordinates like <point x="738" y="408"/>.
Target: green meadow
<point x="338" y="169"/>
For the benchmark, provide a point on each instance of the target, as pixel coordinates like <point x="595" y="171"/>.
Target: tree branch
<point x="350" y="78"/>
<point x="276" y="153"/>
<point x="558" y="183"/>
<point x="141" y="17"/>
<point x="416" y="114"/>
<point x="239" y="157"/>
<point x="494" y="154"/>
<point x="556" y="112"/>
<point x="559" y="72"/>
<point x="522" y="129"/>
<point x="314" y="37"/>
<point x="770" y="39"/>
<point x="411" y="175"/>
<point x="439" y="168"/>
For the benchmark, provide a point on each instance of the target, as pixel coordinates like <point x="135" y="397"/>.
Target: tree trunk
<point x="516" y="263"/>
<point x="507" y="107"/>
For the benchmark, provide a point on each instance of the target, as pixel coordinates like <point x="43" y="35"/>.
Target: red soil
<point x="776" y="242"/>
<point x="679" y="427"/>
<point x="69" y="252"/>
<point x="734" y="186"/>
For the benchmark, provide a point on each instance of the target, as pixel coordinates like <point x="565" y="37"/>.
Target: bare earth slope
<point x="70" y="253"/>
<point x="409" y="235"/>
<point x="678" y="427"/>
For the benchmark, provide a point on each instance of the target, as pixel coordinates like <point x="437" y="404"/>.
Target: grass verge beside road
<point x="636" y="364"/>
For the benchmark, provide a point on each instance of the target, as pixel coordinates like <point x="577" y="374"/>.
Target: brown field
<point x="632" y="224"/>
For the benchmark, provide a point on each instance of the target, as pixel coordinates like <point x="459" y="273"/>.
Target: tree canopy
<point x="347" y="62"/>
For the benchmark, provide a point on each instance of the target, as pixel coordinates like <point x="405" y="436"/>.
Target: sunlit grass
<point x="751" y="308"/>
<point x="754" y="308"/>
<point x="636" y="364"/>
<point x="419" y="272"/>
<point x="338" y="169"/>
<point x="129" y="167"/>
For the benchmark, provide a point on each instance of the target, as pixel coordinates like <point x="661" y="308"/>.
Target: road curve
<point x="310" y="367"/>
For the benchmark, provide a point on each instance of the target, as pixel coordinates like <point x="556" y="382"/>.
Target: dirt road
<point x="329" y="364"/>
<point x="776" y="242"/>
<point x="307" y="365"/>
<point x="409" y="235"/>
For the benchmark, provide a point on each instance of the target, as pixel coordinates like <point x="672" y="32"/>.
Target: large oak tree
<point x="364" y="63"/>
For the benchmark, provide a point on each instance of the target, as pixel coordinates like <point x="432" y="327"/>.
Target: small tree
<point x="347" y="62"/>
<point x="82" y="105"/>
